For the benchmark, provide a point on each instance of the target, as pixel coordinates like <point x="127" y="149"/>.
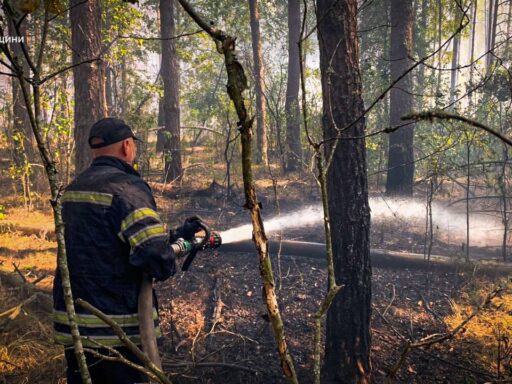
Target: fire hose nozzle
<point x="215" y="241"/>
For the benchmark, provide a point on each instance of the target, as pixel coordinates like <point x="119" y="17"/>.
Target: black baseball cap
<point x="110" y="130"/>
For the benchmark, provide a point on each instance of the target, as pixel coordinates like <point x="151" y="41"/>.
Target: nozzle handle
<point x="191" y="256"/>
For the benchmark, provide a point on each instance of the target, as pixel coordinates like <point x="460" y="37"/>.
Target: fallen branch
<point x="219" y="304"/>
<point x="211" y="365"/>
<point x="437" y="338"/>
<point x="14" y="311"/>
<point x="426" y="305"/>
<point x="390" y="302"/>
<point x="19" y="272"/>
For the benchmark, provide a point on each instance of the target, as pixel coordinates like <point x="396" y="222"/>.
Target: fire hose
<point x="180" y="247"/>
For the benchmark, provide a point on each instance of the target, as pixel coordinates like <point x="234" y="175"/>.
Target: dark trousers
<point x="105" y="372"/>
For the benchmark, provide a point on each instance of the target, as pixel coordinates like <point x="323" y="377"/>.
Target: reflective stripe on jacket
<point x="113" y="233"/>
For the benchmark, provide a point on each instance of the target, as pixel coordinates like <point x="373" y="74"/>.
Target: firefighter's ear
<point x="129" y="150"/>
<point x="125" y="147"/>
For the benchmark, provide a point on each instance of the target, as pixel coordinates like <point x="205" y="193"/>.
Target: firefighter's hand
<point x="190" y="227"/>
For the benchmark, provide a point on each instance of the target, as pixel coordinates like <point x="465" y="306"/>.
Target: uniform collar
<point x="114" y="162"/>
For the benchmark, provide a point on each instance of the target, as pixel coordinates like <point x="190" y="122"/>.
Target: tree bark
<point x="492" y="37"/>
<point x="171" y="106"/>
<point x="23" y="143"/>
<point x="421" y="48"/>
<point x="347" y="341"/>
<point x="293" y="142"/>
<point x="455" y="62"/>
<point x="259" y="75"/>
<point x="472" y="53"/>
<point x="400" y="175"/>
<point x="89" y="79"/>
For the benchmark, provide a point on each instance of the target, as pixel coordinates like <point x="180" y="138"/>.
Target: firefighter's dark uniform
<point x="113" y="234"/>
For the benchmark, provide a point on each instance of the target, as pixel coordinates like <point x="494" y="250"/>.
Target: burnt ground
<point x="213" y="318"/>
<point x="219" y="322"/>
<point x="237" y="346"/>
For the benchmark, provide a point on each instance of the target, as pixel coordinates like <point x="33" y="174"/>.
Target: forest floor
<point x="213" y="319"/>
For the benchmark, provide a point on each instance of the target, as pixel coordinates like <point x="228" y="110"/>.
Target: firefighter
<point x="113" y="235"/>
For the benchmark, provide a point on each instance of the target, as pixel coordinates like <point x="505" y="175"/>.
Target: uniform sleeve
<point x="139" y="225"/>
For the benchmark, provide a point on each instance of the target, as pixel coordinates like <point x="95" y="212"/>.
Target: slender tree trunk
<point x="472" y="53"/>
<point x="400" y="175"/>
<point x="347" y="340"/>
<point x="293" y="143"/>
<point x="492" y="37"/>
<point x="89" y="80"/>
<point x="508" y="54"/>
<point x="23" y="151"/>
<point x="33" y="108"/>
<point x="259" y="75"/>
<point x="235" y="88"/>
<point x="440" y="54"/>
<point x="504" y="197"/>
<point x="109" y="91"/>
<point x="421" y="49"/>
<point x="488" y="31"/>
<point x="124" y="88"/>
<point x="455" y="63"/>
<point x="171" y="106"/>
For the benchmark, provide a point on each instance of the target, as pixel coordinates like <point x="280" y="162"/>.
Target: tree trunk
<point x="492" y="37"/>
<point x="109" y="91"/>
<point x="294" y="149"/>
<point x="259" y="73"/>
<point x="171" y="106"/>
<point x="23" y="143"/>
<point x="440" y="53"/>
<point x="509" y="22"/>
<point x="472" y="54"/>
<point x="89" y="79"/>
<point x="488" y="30"/>
<point x="347" y="341"/>
<point x="421" y="50"/>
<point x="455" y="62"/>
<point x="400" y="174"/>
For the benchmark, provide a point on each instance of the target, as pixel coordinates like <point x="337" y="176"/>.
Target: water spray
<point x="410" y="212"/>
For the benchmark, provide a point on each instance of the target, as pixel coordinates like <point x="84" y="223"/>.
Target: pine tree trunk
<point x="293" y="143"/>
<point x="347" y="341"/>
<point x="89" y="80"/>
<point x="259" y="73"/>
<point x="171" y="107"/>
<point x="400" y="174"/>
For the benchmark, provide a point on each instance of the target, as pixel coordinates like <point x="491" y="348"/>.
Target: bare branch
<point x="136" y="37"/>
<point x="67" y="68"/>
<point x="125" y="340"/>
<point x="441" y="115"/>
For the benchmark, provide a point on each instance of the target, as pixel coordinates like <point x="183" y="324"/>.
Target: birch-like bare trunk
<point x="237" y="83"/>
